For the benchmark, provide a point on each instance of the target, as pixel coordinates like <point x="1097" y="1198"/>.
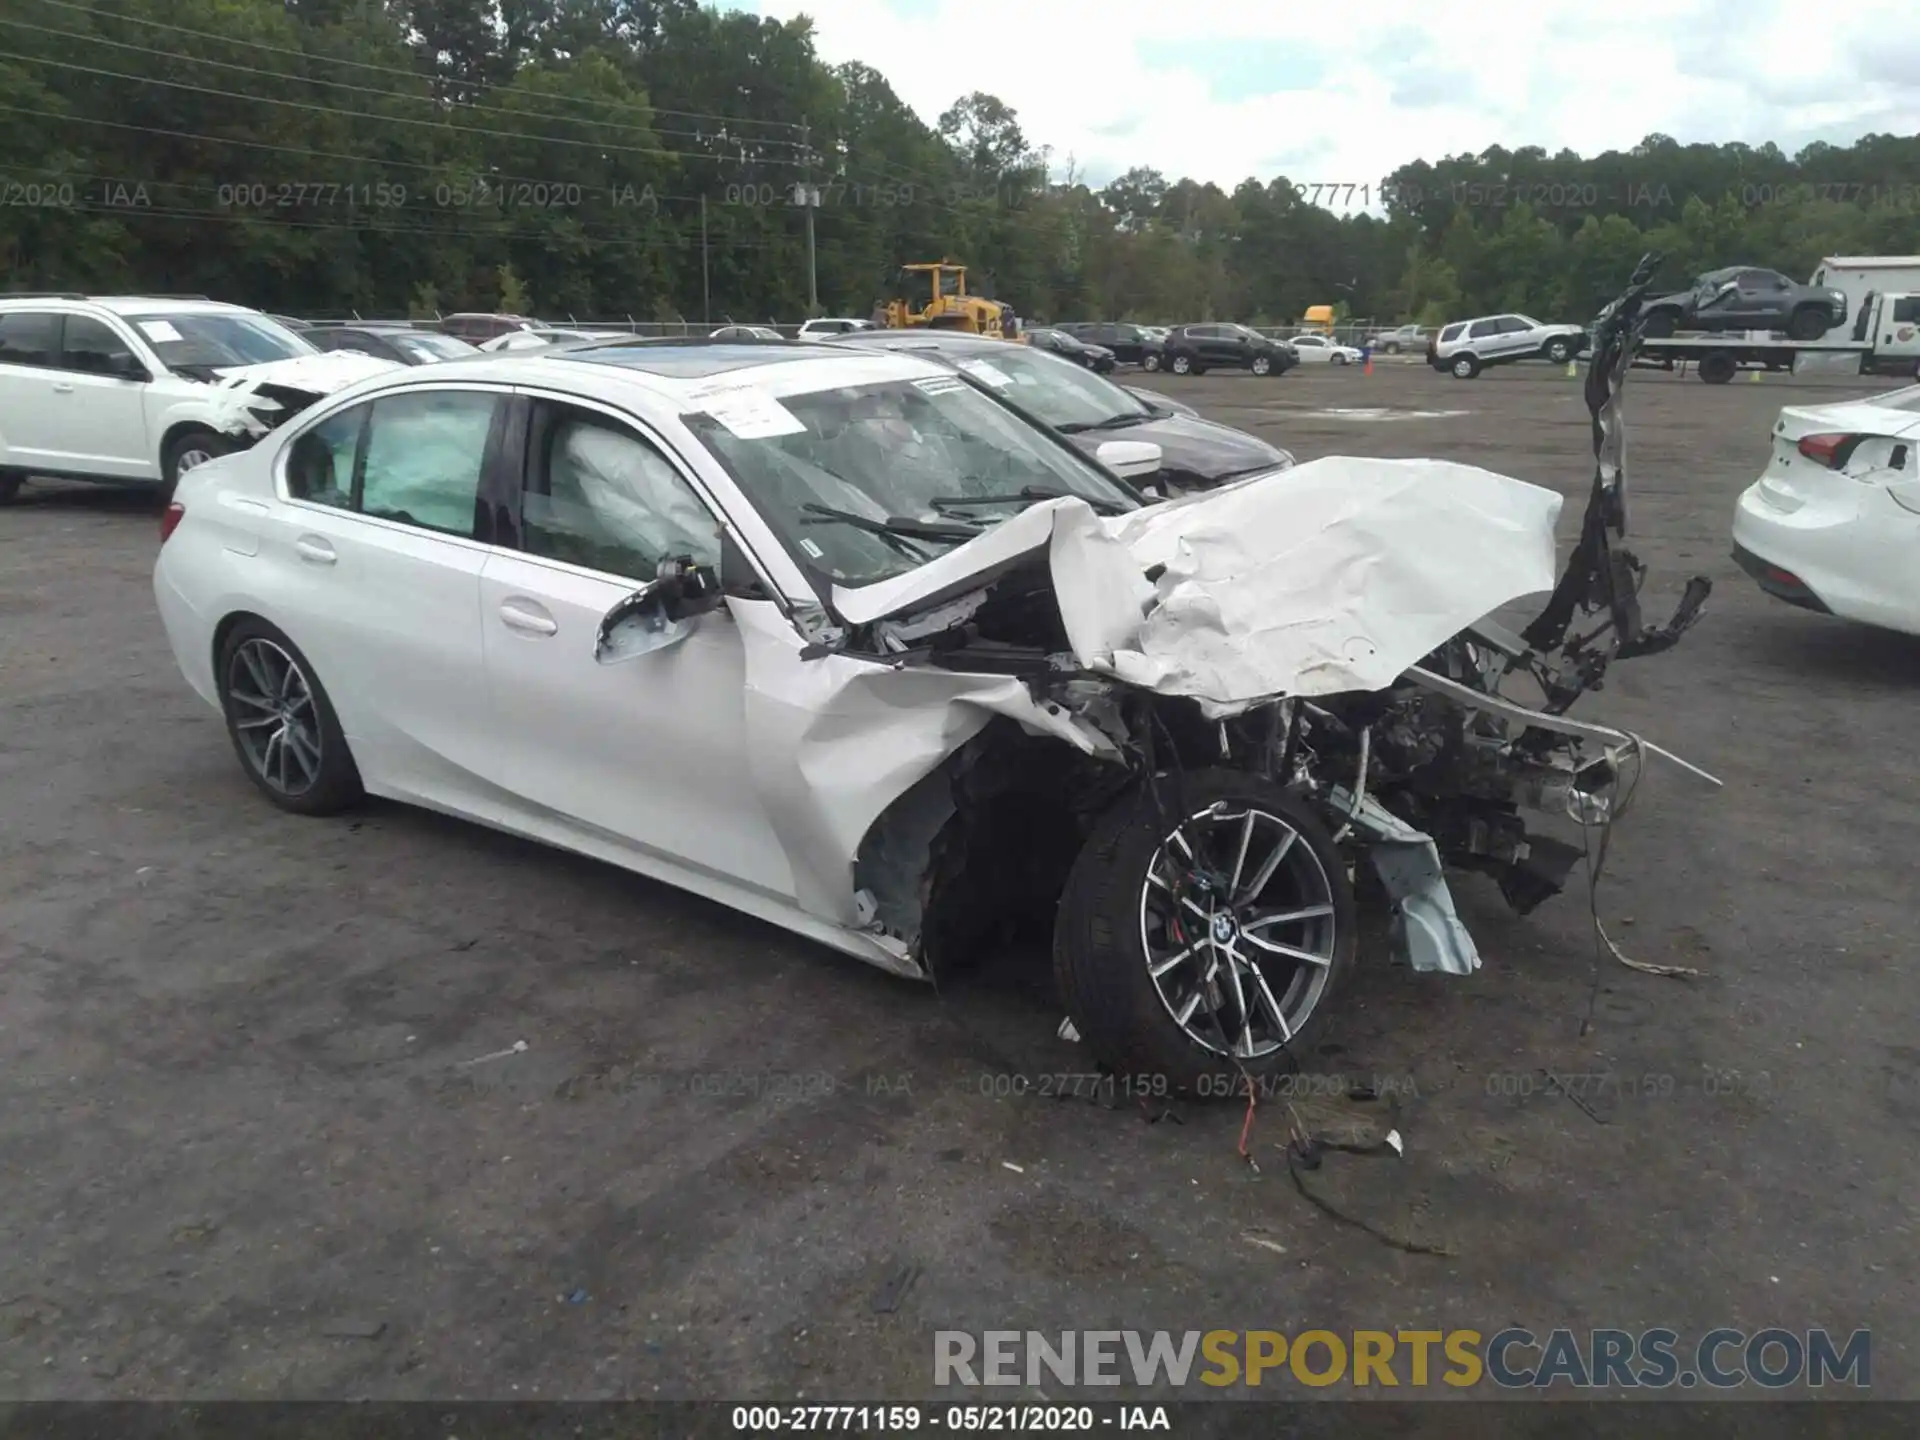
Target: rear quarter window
<point x="1453" y="332"/>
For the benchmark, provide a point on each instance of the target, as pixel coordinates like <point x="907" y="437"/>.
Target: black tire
<point x="1464" y="367"/>
<point x="1261" y="365"/>
<point x="1150" y="362"/>
<point x="335" y="782"/>
<point x="1717" y="367"/>
<point x="1392" y="347"/>
<point x="1660" y="323"/>
<point x="191" y="447"/>
<point x="10" y="483"/>
<point x="1559" y="350"/>
<point x="1099" y="944"/>
<point x="1809" y="322"/>
<point x="1181" y="365"/>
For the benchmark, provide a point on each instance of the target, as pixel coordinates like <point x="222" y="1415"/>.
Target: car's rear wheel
<point x="10" y="483"/>
<point x="1559" y="350"/>
<point x="1464" y="367"/>
<point x="1203" y="947"/>
<point x="189" y="450"/>
<point x="282" y="724"/>
<point x="1809" y="322"/>
<point x="1660" y="323"/>
<point x="1261" y="365"/>
<point x="1149" y="361"/>
<point x="1181" y="365"/>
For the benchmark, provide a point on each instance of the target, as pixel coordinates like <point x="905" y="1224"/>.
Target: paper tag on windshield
<point x="160" y="330"/>
<point x="746" y="412"/>
<point x="988" y="371"/>
<point x="939" y="385"/>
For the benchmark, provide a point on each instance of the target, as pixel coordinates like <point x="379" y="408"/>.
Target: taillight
<point x="170" y="519"/>
<point x="1827" y="450"/>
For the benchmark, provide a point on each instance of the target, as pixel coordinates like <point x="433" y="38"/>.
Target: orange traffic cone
<point x="1367" y="369"/>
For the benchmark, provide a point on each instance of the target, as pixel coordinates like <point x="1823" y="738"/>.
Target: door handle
<point x="314" y="550"/>
<point x="63" y="387"/>
<point x="528" y="618"/>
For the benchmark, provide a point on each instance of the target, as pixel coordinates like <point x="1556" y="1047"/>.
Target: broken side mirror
<point x="660" y="613"/>
<point x="1129" y="459"/>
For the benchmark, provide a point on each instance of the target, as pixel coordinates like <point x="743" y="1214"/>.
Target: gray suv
<point x="1743" y="298"/>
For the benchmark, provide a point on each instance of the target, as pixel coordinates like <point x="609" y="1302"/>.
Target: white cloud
<point x="1166" y="83"/>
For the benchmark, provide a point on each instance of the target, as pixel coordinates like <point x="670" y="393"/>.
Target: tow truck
<point x="1885" y="337"/>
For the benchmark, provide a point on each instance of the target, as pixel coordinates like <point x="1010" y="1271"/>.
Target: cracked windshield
<point x="870" y="481"/>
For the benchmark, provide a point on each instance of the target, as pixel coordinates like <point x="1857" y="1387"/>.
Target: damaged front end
<point x="1261" y="688"/>
<point x="248" y="401"/>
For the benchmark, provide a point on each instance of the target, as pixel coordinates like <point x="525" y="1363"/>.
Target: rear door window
<point x="1482" y="328"/>
<point x="423" y="457"/>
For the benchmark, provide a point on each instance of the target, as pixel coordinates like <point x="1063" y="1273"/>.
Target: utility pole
<point x="706" y="294"/>
<point x="810" y="198"/>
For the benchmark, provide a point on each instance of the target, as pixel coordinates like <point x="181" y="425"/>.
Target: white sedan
<point x="848" y="643"/>
<point x="1833" y="524"/>
<point x="1319" y="350"/>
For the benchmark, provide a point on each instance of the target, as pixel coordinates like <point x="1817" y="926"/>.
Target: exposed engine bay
<point x="1228" y="770"/>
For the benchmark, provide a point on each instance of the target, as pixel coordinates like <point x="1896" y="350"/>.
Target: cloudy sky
<point x="1339" y="92"/>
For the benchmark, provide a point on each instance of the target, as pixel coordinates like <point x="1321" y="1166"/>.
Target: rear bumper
<point x="1778" y="581"/>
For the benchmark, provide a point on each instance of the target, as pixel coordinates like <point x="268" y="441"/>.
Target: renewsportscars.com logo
<point x="1512" y="1359"/>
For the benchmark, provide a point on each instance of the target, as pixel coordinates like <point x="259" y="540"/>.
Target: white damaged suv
<point x="136" y="390"/>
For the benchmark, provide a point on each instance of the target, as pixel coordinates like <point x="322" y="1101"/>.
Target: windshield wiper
<point x="1112" y="422"/>
<point x="1027" y="493"/>
<point x="891" y="525"/>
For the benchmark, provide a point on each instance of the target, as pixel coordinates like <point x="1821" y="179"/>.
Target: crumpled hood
<point x="1332" y="576"/>
<point x="320" y="374"/>
<point x="249" y="387"/>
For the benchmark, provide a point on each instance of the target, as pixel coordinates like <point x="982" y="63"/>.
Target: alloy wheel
<point x="1237" y="924"/>
<point x="274" y="716"/>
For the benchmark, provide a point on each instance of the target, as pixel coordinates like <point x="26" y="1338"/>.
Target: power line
<point x="676" y="241"/>
<point x="384" y="94"/>
<point x="391" y="69"/>
<point x="444" y="168"/>
<point x="442" y="125"/>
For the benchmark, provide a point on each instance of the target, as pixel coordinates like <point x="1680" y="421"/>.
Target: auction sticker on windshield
<point x="746" y="412"/>
<point x="161" y="330"/>
<point x="939" y="385"/>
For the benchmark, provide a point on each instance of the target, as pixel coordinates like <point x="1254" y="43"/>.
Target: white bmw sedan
<point x="1833" y="523"/>
<point x="846" y="641"/>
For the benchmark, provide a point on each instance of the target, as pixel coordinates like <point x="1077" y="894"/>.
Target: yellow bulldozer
<point x="935" y="295"/>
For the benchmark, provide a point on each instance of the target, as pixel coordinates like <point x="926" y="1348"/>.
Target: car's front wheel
<point x="1201" y="936"/>
<point x="189" y="450"/>
<point x="1261" y="365"/>
<point x="1338" y="358"/>
<point x="1392" y="347"/>
<point x="10" y="483"/>
<point x="282" y="724"/>
<point x="1559" y="350"/>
